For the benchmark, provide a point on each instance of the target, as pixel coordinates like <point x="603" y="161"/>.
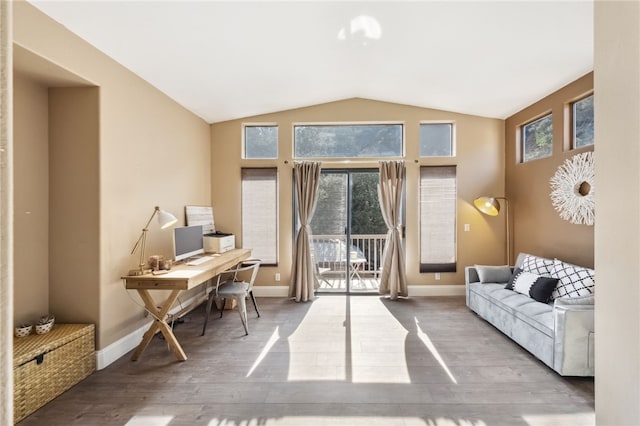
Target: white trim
<point x="120" y="347"/>
<point x="436" y="290"/>
<point x="271" y="290"/>
<point x="117" y="349"/>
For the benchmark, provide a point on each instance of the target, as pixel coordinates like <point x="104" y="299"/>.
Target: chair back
<point x="233" y="273"/>
<point x="251" y="265"/>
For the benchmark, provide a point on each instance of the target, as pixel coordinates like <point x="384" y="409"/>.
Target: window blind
<point x="260" y="213"/>
<point x="438" y="198"/>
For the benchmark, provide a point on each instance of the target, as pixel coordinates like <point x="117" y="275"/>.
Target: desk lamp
<point x="165" y="219"/>
<point x="491" y="207"/>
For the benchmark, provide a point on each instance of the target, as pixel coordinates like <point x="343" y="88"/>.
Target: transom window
<point x="582" y="118"/>
<point x="348" y="141"/>
<point x="436" y="140"/>
<point x="537" y="139"/>
<point x="260" y="141"/>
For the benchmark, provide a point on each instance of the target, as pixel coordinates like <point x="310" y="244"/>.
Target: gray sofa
<point x="559" y="333"/>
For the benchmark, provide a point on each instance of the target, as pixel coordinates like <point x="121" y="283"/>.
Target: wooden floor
<point x="340" y="360"/>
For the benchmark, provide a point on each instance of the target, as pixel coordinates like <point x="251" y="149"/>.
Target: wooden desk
<point x="180" y="277"/>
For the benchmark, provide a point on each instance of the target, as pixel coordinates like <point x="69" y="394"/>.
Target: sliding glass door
<point x="348" y="231"/>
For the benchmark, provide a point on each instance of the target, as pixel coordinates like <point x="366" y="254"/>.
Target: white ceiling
<point x="233" y="59"/>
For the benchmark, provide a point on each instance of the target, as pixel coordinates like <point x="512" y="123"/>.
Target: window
<point x="537" y="139"/>
<point x="436" y="140"/>
<point x="260" y="213"/>
<point x="582" y="117"/>
<point x="348" y="141"/>
<point x="438" y="198"/>
<point x="260" y="141"/>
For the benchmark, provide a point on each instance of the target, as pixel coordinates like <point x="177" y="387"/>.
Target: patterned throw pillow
<point x="532" y="285"/>
<point x="537" y="265"/>
<point x="574" y="281"/>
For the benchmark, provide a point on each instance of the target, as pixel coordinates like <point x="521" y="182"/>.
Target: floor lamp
<point x="165" y="219"/>
<point x="490" y="206"/>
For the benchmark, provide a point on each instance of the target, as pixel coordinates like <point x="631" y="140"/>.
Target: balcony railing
<point x="330" y="251"/>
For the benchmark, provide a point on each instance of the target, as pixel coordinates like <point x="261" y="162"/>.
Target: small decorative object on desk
<point x="23" y="330"/>
<point x="45" y="323"/>
<point x="155" y="262"/>
<point x="166" y="264"/>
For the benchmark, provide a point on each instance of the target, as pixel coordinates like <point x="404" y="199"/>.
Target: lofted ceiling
<point x="224" y="60"/>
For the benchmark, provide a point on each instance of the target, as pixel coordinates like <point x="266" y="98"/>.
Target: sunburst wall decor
<point x="573" y="189"/>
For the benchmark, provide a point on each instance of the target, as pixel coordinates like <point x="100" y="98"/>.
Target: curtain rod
<point x="345" y="161"/>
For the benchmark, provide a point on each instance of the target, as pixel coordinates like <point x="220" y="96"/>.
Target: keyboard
<point x="199" y="260"/>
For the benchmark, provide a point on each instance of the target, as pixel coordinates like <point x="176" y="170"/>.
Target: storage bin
<point x="46" y="365"/>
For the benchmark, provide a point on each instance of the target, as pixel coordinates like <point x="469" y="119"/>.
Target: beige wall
<point x="537" y="227"/>
<point x="617" y="233"/>
<point x="151" y="151"/>
<point x="74" y="233"/>
<point x="31" y="199"/>
<point x="480" y="154"/>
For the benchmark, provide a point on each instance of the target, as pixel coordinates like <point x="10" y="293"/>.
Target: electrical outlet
<point x="467" y="228"/>
<point x="277" y="276"/>
<point x="437" y="275"/>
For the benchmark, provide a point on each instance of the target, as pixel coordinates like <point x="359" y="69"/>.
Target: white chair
<point x="230" y="285"/>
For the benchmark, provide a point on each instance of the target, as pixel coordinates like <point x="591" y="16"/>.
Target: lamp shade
<point x="165" y="219"/>
<point x="487" y="205"/>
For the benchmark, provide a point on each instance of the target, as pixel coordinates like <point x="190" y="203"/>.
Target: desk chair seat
<point x="230" y="285"/>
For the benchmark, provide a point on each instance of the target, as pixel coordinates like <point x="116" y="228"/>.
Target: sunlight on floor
<point x="149" y="421"/>
<point x="574" y="419"/>
<point x="432" y="348"/>
<point x="357" y="341"/>
<point x="317" y="347"/>
<point x="267" y="347"/>
<point x="378" y="353"/>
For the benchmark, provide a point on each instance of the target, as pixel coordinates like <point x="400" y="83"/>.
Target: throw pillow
<point x="574" y="281"/>
<point x="493" y="274"/>
<point x="532" y="285"/>
<point x="537" y="265"/>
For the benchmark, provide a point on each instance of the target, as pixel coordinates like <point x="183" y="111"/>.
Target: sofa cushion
<point x="536" y="314"/>
<point x="537" y="265"/>
<point x="574" y="281"/>
<point x="493" y="274"/>
<point x="532" y="285"/>
<point x="573" y="301"/>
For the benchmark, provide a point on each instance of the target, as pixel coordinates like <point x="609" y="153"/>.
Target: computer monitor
<point x="187" y="242"/>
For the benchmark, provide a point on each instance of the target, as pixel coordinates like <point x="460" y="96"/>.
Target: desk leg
<point x="159" y="323"/>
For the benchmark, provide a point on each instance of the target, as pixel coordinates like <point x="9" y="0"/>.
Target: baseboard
<point x="120" y="347"/>
<point x="436" y="290"/>
<point x="271" y="290"/>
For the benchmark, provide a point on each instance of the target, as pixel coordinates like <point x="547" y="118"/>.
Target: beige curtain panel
<point x="303" y="277"/>
<point x="393" y="279"/>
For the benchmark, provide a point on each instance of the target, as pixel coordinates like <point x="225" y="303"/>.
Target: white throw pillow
<point x="574" y="281"/>
<point x="532" y="285"/>
<point x="537" y="265"/>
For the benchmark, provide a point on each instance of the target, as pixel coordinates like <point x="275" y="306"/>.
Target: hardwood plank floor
<point x="359" y="360"/>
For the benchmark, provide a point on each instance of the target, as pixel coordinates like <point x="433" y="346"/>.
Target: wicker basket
<point x="48" y="364"/>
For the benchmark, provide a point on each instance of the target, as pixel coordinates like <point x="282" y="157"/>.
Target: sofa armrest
<point x="471" y="275"/>
<point x="574" y="337"/>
